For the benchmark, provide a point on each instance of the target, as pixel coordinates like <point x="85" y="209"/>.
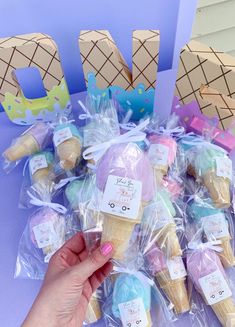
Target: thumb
<point x="97" y="259"/>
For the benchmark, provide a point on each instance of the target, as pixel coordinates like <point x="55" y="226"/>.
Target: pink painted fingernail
<point x="106" y="248"/>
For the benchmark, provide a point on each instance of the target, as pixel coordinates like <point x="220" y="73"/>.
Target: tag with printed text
<point x="176" y="268"/>
<point x="224" y="167"/>
<point x="44" y="234"/>
<point x="62" y="135"/>
<point x="215" y="288"/>
<point x="159" y="215"/>
<point x="133" y="313"/>
<point x="122" y="197"/>
<point x="215" y="226"/>
<point x="158" y="154"/>
<point x="37" y="162"/>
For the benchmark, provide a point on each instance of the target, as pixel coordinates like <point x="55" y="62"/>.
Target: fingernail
<point x="106" y="248"/>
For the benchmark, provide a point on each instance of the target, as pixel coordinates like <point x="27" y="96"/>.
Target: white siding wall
<point x="215" y="24"/>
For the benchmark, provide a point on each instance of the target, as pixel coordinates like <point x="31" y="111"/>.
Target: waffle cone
<point x="227" y="256"/>
<point x="161" y="169"/>
<point x="69" y="152"/>
<point x="93" y="310"/>
<point x="224" y="310"/>
<point x="25" y="146"/>
<point x="219" y="189"/>
<point x="117" y="230"/>
<point x="41" y="174"/>
<point x="167" y="240"/>
<point x="175" y="291"/>
<point x="158" y="174"/>
<point x="230" y="320"/>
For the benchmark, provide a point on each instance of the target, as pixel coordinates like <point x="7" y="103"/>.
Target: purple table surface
<point x="17" y="296"/>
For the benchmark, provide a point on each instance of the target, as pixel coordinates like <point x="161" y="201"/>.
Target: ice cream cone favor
<point x="125" y="176"/>
<point x="47" y="231"/>
<point x="214" y="169"/>
<point x="32" y="141"/>
<point x="162" y="154"/>
<point x="215" y="226"/>
<point x="41" y="167"/>
<point x="159" y="215"/>
<point x="131" y="301"/>
<point x="210" y="280"/>
<point x="68" y="143"/>
<point x="170" y="275"/>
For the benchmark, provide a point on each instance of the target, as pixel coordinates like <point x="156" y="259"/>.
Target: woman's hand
<point x="72" y="276"/>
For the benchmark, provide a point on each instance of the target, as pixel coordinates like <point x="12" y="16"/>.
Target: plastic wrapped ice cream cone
<point x="214" y="224"/>
<point x="170" y="275"/>
<point x="162" y="153"/>
<point x="125" y="176"/>
<point x="159" y="216"/>
<point x="68" y="143"/>
<point x="209" y="278"/>
<point x="40" y="166"/>
<point x="213" y="168"/>
<point x="32" y="141"/>
<point x="69" y="152"/>
<point x="118" y="230"/>
<point x="129" y="290"/>
<point x="219" y="189"/>
<point x="93" y="313"/>
<point x="175" y="291"/>
<point x="25" y="146"/>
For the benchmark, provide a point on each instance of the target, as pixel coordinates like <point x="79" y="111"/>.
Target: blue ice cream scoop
<point x="128" y="288"/>
<point x="77" y="191"/>
<point x="199" y="208"/>
<point x="187" y="142"/>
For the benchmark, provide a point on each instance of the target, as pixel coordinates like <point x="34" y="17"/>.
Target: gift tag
<point x="215" y="225"/>
<point x="37" y="162"/>
<point x="133" y="313"/>
<point x="44" y="234"/>
<point x="159" y="214"/>
<point x="159" y="154"/>
<point x="224" y="167"/>
<point x="122" y="197"/>
<point x="176" y="268"/>
<point x="62" y="135"/>
<point x="215" y="288"/>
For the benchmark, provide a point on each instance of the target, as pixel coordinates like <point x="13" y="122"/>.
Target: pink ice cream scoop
<point x="156" y="261"/>
<point x="168" y="142"/>
<point x="47" y="230"/>
<point x="174" y="289"/>
<point x="41" y="216"/>
<point x="172" y="186"/>
<point x="127" y="160"/>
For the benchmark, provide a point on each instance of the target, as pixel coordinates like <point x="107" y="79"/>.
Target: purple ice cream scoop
<point x="155" y="260"/>
<point x="41" y="216"/>
<point x="42" y="133"/>
<point x="201" y="263"/>
<point x="127" y="160"/>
